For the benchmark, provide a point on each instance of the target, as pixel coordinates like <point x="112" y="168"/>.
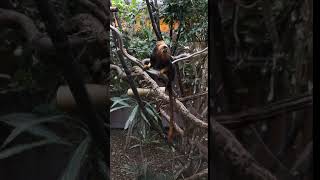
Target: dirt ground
<point x="124" y="163"/>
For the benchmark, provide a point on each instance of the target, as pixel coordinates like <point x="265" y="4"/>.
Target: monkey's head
<point x="163" y="50"/>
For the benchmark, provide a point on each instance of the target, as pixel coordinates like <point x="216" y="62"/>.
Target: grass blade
<point x="117" y="108"/>
<point x="22" y="147"/>
<point x="24" y="126"/>
<point x="131" y="117"/>
<point x="119" y="100"/>
<point x="74" y="166"/>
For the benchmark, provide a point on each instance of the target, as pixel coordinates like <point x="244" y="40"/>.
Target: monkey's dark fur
<point x="161" y="60"/>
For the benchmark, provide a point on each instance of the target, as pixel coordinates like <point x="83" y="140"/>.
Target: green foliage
<point x="31" y="124"/>
<point x="136" y="117"/>
<point x="141" y="43"/>
<point x="73" y="169"/>
<point x="128" y="12"/>
<point x="35" y="125"/>
<point x="191" y="14"/>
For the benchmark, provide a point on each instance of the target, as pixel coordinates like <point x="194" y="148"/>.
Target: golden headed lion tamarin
<point x="161" y="60"/>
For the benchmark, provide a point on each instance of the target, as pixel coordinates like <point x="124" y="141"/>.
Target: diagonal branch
<point x="37" y="39"/>
<point x="118" y="35"/>
<point x="199" y="175"/>
<point x="182" y="57"/>
<point x="257" y="114"/>
<point x="226" y="144"/>
<point x="178" y="104"/>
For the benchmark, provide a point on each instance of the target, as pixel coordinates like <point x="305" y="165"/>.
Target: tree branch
<point x="257" y="114"/>
<point x="74" y="78"/>
<point x="162" y="96"/>
<point x="123" y="50"/>
<point x="185" y="56"/>
<point x="154" y="25"/>
<point x="199" y="175"/>
<point x="38" y="40"/>
<point x="232" y="150"/>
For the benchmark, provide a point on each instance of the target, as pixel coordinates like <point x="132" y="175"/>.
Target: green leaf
<point x="145" y="118"/>
<point x="117" y="108"/>
<point x="131" y="117"/>
<point x="17" y="118"/>
<point x="23" y="127"/>
<point x="74" y="166"/>
<point x="42" y="131"/>
<point x="22" y="147"/>
<point x="119" y="100"/>
<point x="48" y="134"/>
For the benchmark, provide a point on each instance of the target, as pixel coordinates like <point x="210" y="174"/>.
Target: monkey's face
<point x="164" y="49"/>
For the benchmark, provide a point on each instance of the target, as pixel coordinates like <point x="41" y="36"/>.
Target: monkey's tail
<point x="171" y="122"/>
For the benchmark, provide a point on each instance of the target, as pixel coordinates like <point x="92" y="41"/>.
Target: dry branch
<point x="176" y="126"/>
<point x="188" y="98"/>
<point x="182" y="57"/>
<point x="123" y="50"/>
<point x="162" y="96"/>
<point x="39" y="40"/>
<point x="199" y="175"/>
<point x="232" y="150"/>
<point x="257" y="114"/>
<point x="119" y="71"/>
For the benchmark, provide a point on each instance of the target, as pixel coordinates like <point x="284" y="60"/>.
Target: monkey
<point x="161" y="60"/>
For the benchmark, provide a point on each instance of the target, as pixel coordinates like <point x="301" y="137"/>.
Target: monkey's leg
<point x="164" y="70"/>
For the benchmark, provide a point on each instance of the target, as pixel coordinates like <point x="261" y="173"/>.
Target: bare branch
<point x="162" y="96"/>
<point x="153" y="22"/>
<point x="39" y="40"/>
<point x="176" y="126"/>
<point x="199" y="175"/>
<point x="182" y="57"/>
<point x="187" y="98"/>
<point x="232" y="150"/>
<point x="271" y="110"/>
<point x="120" y="72"/>
<point x="123" y="50"/>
